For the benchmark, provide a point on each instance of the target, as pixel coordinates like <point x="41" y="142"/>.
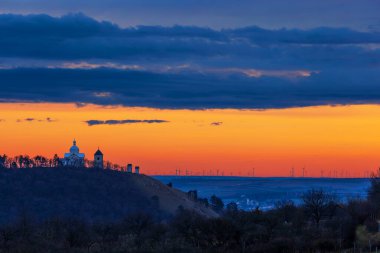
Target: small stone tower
<point x="129" y="168"/>
<point x="98" y="159"/>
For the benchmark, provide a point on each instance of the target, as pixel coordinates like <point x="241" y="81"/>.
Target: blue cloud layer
<point x="77" y="59"/>
<point x="195" y="91"/>
<point x="80" y="37"/>
<point x="221" y="13"/>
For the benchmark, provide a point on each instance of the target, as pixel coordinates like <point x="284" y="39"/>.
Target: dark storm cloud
<point x="80" y="60"/>
<point x="219" y="14"/>
<point x="194" y="91"/>
<point x="125" y="121"/>
<point x="78" y="37"/>
<point x="322" y="35"/>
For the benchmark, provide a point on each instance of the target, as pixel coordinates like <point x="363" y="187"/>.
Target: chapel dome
<point x="74" y="148"/>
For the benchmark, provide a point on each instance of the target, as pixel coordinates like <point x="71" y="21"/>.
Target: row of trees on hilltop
<point x="25" y="161"/>
<point x="38" y="161"/>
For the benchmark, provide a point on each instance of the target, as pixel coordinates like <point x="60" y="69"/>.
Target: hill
<point x="87" y="194"/>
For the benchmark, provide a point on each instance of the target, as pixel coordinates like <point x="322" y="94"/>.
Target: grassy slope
<point x="170" y="198"/>
<point x="86" y="194"/>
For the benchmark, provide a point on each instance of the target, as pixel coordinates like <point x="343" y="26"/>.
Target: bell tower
<point x="98" y="159"/>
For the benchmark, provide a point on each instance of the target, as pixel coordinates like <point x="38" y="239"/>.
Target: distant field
<point x="265" y="192"/>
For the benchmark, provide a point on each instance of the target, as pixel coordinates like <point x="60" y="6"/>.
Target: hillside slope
<point x="92" y="195"/>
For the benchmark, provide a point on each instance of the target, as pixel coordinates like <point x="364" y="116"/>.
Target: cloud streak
<point x="48" y="119"/>
<point x="125" y="121"/>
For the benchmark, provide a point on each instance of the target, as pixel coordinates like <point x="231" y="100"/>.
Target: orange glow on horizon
<point x="344" y="140"/>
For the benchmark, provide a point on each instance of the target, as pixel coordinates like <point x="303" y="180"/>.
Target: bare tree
<point x="3" y="160"/>
<point x="318" y="204"/>
<point x="27" y="162"/>
<point x="19" y="161"/>
<point x="44" y="161"/>
<point x="374" y="189"/>
<point x="37" y="160"/>
<point x="56" y="161"/>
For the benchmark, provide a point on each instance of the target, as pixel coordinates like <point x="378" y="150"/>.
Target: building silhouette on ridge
<point x="74" y="158"/>
<point x="98" y="159"/>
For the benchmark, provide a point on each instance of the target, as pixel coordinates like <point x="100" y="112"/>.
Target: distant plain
<point x="264" y="192"/>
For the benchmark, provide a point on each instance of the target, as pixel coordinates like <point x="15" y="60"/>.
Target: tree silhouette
<point x="232" y="208"/>
<point x="374" y="192"/>
<point x="317" y="204"/>
<point x="216" y="203"/>
<point x="56" y="161"/>
<point x="3" y="160"/>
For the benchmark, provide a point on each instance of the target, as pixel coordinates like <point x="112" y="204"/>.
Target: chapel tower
<point x="98" y="159"/>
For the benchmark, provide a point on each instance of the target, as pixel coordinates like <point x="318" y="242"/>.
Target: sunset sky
<point x="203" y="86"/>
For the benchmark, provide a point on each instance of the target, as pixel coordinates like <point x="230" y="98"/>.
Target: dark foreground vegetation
<point x="319" y="224"/>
